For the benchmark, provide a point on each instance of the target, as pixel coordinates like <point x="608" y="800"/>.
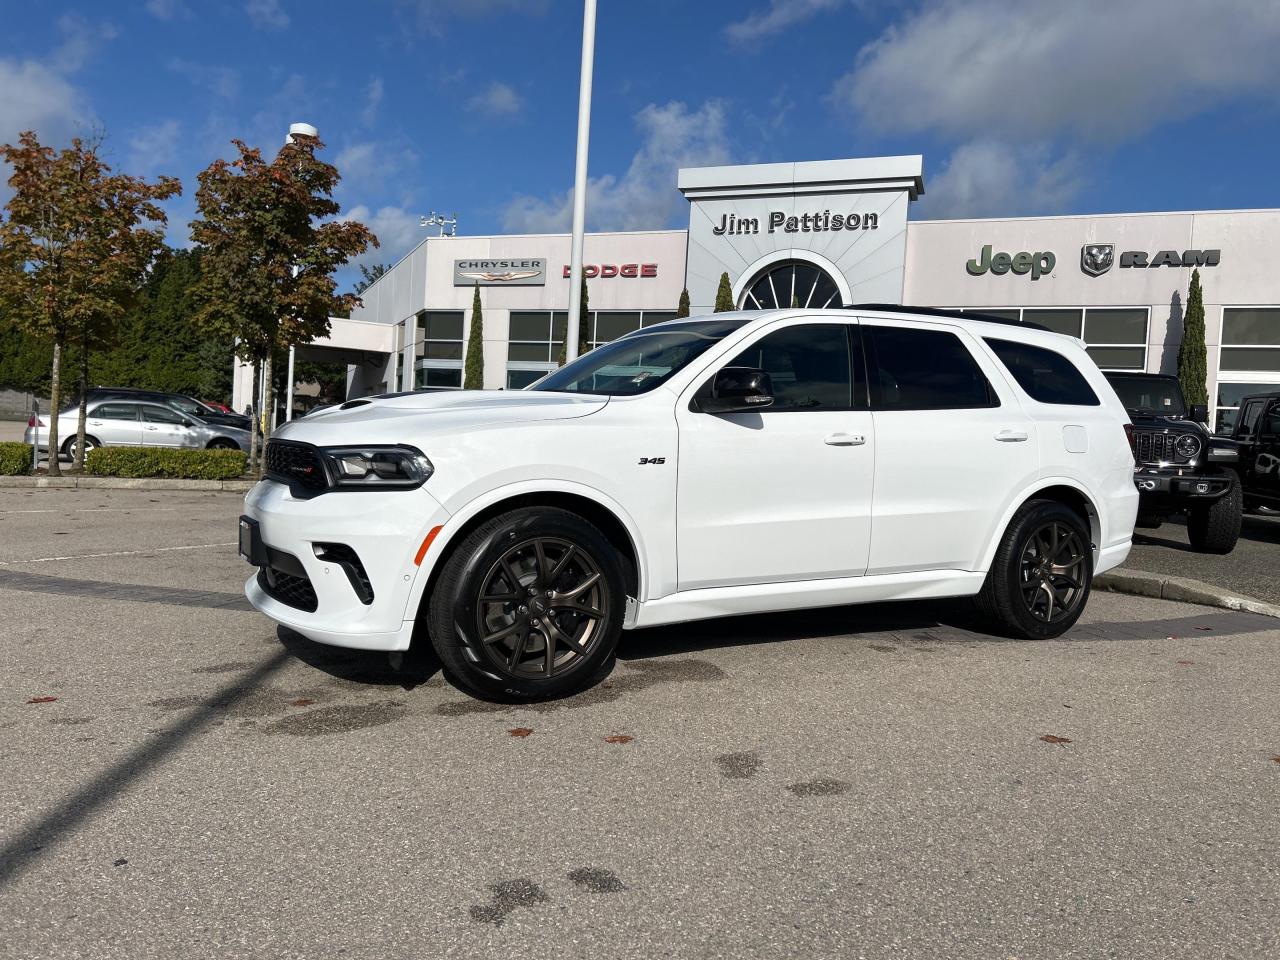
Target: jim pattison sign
<point x="734" y="225"/>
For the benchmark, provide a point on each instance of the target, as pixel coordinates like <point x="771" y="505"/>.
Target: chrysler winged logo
<point x="505" y="277"/>
<point x="1096" y="258"/>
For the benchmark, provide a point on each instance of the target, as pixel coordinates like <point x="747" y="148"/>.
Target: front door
<point x="1260" y="456"/>
<point x="783" y="493"/>
<point x="163" y="427"/>
<point x="114" y="424"/>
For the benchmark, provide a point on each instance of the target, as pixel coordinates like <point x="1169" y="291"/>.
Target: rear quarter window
<point x="1044" y="375"/>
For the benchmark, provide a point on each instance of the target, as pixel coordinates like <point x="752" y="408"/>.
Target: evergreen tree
<point x="584" y="327"/>
<point x="724" y="295"/>
<point x="683" y="309"/>
<point x="1192" y="359"/>
<point x="473" y="377"/>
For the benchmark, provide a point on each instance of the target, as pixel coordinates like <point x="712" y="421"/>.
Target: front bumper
<point x="383" y="528"/>
<point x="1163" y="486"/>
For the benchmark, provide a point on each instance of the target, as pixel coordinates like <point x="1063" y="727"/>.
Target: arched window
<point x="791" y="283"/>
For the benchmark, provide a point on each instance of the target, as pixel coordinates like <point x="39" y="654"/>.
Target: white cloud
<point x="372" y="163"/>
<point x="431" y="16"/>
<point x="396" y="228"/>
<point x="80" y="41"/>
<point x="498" y="99"/>
<point x="645" y="197"/>
<point x="987" y="178"/>
<point x="39" y="98"/>
<point x="223" y="82"/>
<point x="1092" y="69"/>
<point x="372" y="102"/>
<point x="780" y="15"/>
<point x="168" y="9"/>
<point x="267" y="14"/>
<point x="154" y="147"/>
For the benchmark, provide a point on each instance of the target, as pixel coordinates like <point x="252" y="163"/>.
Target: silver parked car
<point x="127" y="423"/>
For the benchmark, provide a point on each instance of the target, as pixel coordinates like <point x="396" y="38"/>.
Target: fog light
<point x="1202" y="488"/>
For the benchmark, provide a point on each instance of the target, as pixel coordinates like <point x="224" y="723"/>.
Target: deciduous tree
<point x="74" y="248"/>
<point x="270" y="247"/>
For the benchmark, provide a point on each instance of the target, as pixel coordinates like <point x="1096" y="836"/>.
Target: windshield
<point x="1159" y="396"/>
<point x="640" y="361"/>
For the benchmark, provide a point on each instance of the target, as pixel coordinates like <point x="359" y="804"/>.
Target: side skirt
<point x="801" y="594"/>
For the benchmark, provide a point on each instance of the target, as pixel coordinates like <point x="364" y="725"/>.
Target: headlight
<point x="369" y="468"/>
<point x="1187" y="445"/>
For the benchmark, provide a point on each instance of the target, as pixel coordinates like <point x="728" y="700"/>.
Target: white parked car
<point x="116" y="422"/>
<point x="730" y="464"/>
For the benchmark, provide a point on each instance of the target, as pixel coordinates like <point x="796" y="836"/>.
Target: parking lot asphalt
<point x="1252" y="568"/>
<point x="866" y="782"/>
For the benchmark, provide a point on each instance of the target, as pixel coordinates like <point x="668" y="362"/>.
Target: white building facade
<point x="827" y="234"/>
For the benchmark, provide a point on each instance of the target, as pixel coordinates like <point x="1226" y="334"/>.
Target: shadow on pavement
<point x="26" y="846"/>
<point x="370" y="667"/>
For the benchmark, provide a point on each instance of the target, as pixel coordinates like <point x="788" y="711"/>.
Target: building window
<point x="1116" y="337"/>
<point x="1229" y="396"/>
<point x="792" y="283"/>
<point x="518" y="379"/>
<point x="536" y="337"/>
<point x="1250" y="339"/>
<point x="438" y="349"/>
<point x="612" y="324"/>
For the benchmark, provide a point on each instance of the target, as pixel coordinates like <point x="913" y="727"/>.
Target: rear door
<point x="952" y="443"/>
<point x="115" y="424"/>
<point x="163" y="427"/>
<point x="782" y="493"/>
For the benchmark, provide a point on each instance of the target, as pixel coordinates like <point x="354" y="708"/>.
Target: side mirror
<point x="735" y="389"/>
<point x="1199" y="412"/>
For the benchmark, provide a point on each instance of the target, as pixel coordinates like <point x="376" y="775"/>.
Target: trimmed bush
<point x="171" y="464"/>
<point x="15" y="459"/>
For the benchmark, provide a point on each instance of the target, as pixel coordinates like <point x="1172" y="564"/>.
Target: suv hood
<point x="397" y="419"/>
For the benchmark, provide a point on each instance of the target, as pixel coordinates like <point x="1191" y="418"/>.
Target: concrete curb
<point x="1143" y="584"/>
<point x="125" y="483"/>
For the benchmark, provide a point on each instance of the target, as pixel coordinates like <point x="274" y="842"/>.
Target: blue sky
<point x="470" y="105"/>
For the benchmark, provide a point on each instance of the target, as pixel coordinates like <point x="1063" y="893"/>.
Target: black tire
<point x="497" y="648"/>
<point x="1027" y="596"/>
<point x="222" y="443"/>
<point x="1215" y="527"/>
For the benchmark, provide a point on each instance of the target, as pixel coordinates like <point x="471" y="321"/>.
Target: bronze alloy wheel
<point x="1053" y="571"/>
<point x="541" y="608"/>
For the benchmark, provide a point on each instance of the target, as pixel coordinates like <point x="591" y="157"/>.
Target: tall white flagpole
<point x="580" y="180"/>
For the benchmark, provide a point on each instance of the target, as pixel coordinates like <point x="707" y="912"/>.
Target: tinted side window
<point x="1270" y="425"/>
<point x="924" y="370"/>
<point x="152" y="414"/>
<point x="809" y="366"/>
<point x="1046" y="375"/>
<point x="116" y="411"/>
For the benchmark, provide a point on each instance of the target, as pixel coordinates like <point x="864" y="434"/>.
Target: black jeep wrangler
<point x="1178" y="466"/>
<point x="1256" y="432"/>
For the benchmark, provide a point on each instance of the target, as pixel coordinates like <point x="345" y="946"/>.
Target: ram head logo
<point x="1096" y="258"/>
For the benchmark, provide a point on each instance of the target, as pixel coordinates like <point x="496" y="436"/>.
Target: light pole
<point x="306" y="130"/>
<point x="580" y="180"/>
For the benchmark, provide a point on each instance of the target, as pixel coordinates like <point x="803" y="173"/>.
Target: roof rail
<point x="940" y="312"/>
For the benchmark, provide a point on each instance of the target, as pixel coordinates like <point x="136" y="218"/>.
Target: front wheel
<point x="222" y="443"/>
<point x="1215" y="527"/>
<point x="528" y="606"/>
<point x="1040" y="578"/>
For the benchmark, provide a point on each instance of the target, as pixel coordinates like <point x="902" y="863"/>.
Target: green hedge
<point x="174" y="464"/>
<point x="15" y="459"/>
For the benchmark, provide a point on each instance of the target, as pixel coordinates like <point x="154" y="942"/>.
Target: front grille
<point x="295" y="463"/>
<point x="1156" y="446"/>
<point x="291" y="590"/>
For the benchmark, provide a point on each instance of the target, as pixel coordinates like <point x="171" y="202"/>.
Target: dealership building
<point x="826" y="234"/>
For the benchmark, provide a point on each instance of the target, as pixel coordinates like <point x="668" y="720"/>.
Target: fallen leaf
<point x="120" y="863"/>
<point x="42" y="700"/>
<point x="1050" y="738"/>
<point x="1187" y="663"/>
<point x="301" y="702"/>
<point x="618" y="738"/>
<point x="1276" y="759"/>
<point x="520" y="731"/>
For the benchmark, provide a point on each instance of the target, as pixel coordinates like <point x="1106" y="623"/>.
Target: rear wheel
<point x="69" y="448"/>
<point x="222" y="443"/>
<point x="1042" y="573"/>
<point x="1215" y="527"/>
<point x="528" y="606"/>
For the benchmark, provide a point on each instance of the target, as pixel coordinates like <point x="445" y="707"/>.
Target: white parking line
<point x="118" y="553"/>
<point x="98" y="510"/>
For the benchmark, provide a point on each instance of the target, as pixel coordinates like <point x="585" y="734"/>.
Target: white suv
<point x="731" y="464"/>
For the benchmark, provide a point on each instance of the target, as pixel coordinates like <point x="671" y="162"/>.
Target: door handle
<point x="844" y="440"/>
<point x="1012" y="436"/>
<point x="153" y="428"/>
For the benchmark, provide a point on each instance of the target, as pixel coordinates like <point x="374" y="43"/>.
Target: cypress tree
<point x="724" y="295"/>
<point x="474" y="375"/>
<point x="683" y="309"/>
<point x="1192" y="360"/>
<point x="584" y="327"/>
